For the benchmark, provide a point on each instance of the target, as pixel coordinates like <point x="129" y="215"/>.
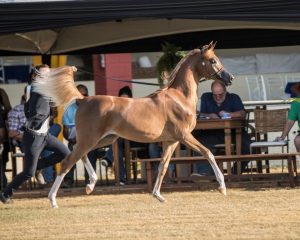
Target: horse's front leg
<point x="192" y="143"/>
<point x="92" y="175"/>
<point x="168" y="149"/>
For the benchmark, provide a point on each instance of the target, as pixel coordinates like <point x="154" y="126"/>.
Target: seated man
<point x="219" y="104"/>
<point x="69" y="133"/>
<point x="109" y="158"/>
<point x="293" y="116"/>
<point x="16" y="120"/>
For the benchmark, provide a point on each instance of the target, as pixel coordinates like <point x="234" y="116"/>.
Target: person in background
<point x="54" y="130"/>
<point x="36" y="137"/>
<point x="215" y="105"/>
<point x="68" y="122"/>
<point x="108" y="158"/>
<point x="16" y="119"/>
<point x="3" y="179"/>
<point x="2" y="130"/>
<point x="155" y="151"/>
<point x="5" y="107"/>
<point x="293" y="116"/>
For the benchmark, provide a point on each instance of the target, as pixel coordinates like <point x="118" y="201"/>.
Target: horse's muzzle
<point x="225" y="77"/>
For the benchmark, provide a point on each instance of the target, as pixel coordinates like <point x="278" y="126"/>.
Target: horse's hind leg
<point x="92" y="175"/>
<point x="66" y="165"/>
<point x="168" y="148"/>
<point x="58" y="180"/>
<point x="192" y="143"/>
<point x="53" y="191"/>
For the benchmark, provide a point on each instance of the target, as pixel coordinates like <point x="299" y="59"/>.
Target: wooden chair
<point x="101" y="153"/>
<point x="14" y="154"/>
<point x="267" y="121"/>
<point x="134" y="152"/>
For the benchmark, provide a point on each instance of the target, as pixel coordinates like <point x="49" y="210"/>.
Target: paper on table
<point x="226" y="117"/>
<point x="72" y="134"/>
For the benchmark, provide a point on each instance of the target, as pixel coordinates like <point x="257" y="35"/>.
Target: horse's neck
<point x="186" y="82"/>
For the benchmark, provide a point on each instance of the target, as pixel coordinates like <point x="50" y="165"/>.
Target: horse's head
<point x="211" y="67"/>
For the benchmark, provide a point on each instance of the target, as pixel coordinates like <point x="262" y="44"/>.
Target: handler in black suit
<point x="36" y="138"/>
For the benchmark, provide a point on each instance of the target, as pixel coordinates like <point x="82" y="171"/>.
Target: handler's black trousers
<point x="33" y="146"/>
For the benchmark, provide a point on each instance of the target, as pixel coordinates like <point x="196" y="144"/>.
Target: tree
<point x="172" y="54"/>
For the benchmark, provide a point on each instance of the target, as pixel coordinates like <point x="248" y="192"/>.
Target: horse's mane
<point x="171" y="78"/>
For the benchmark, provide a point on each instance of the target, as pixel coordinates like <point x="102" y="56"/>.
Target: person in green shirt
<point x="293" y="116"/>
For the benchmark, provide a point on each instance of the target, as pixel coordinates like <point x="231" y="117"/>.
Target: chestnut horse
<point x="167" y="115"/>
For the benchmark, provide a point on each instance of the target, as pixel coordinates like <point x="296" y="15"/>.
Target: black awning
<point x="31" y="16"/>
<point x="226" y="39"/>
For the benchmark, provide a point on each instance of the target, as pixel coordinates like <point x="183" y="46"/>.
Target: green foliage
<point x="172" y="54"/>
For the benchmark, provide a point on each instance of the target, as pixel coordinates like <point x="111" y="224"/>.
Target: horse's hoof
<point x="54" y="206"/>
<point x="53" y="203"/>
<point x="159" y="197"/>
<point x="89" y="188"/>
<point x="223" y="191"/>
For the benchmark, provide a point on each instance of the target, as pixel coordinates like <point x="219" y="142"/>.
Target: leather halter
<point x="212" y="74"/>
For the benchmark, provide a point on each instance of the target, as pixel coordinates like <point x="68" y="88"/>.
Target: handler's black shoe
<point x="5" y="200"/>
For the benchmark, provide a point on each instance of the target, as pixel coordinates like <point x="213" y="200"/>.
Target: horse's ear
<point x="212" y="45"/>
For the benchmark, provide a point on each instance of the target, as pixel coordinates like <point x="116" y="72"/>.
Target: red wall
<point x="114" y="66"/>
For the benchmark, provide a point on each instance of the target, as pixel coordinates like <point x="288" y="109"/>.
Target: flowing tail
<point x="57" y="85"/>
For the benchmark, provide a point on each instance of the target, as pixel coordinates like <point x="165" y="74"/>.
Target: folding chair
<point x="267" y="121"/>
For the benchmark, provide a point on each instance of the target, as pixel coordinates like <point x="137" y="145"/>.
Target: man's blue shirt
<point x="69" y="115"/>
<point x="232" y="103"/>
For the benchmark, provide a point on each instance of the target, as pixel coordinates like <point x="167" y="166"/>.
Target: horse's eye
<point x="212" y="61"/>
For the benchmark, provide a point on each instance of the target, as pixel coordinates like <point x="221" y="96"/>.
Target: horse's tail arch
<point x="57" y="85"/>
